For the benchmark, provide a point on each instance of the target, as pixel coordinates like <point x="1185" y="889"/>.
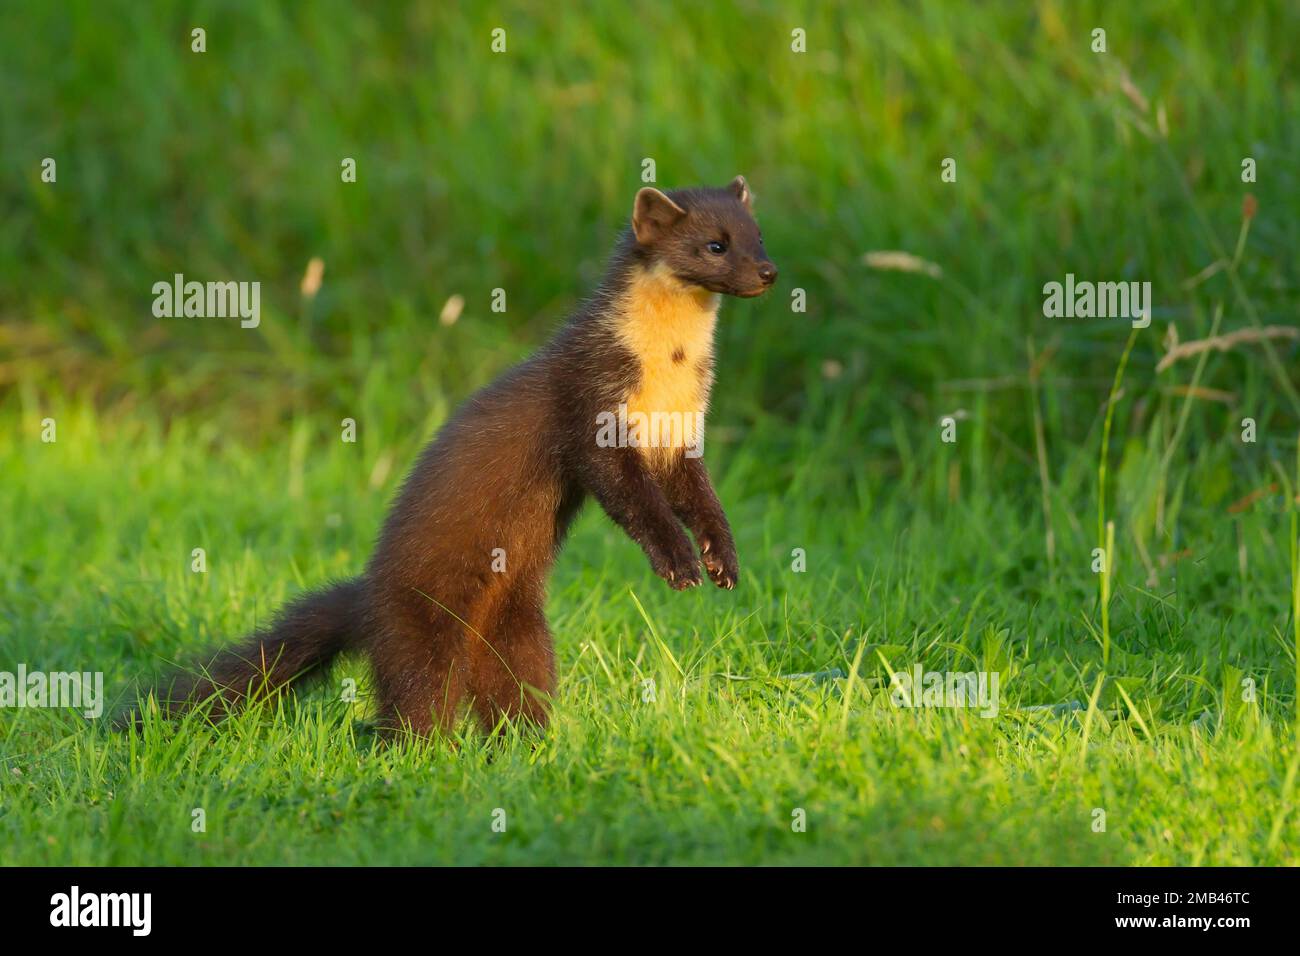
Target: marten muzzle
<point x="765" y="273"/>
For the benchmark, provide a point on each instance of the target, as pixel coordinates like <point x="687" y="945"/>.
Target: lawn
<point x="1147" y="703"/>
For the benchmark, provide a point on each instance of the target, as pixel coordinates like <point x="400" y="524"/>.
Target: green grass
<point x="712" y="769"/>
<point x="481" y="171"/>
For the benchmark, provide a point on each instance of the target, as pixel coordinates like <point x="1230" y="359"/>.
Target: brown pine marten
<point x="450" y="605"/>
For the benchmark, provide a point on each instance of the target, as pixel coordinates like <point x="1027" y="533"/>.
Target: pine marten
<point x="451" y="603"/>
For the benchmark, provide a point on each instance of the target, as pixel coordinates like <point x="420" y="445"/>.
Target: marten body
<point x="450" y="606"/>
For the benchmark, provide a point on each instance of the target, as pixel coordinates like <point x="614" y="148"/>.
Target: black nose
<point x="767" y="272"/>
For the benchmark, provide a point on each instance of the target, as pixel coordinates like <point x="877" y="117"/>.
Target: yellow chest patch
<point x="669" y="327"/>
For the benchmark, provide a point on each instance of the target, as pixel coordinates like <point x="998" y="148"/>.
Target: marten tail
<point x="298" y="645"/>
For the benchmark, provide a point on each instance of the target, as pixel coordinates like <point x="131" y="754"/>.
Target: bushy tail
<point x="300" y="643"/>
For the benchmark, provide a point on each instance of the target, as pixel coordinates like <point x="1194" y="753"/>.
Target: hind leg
<point x="419" y="668"/>
<point x="512" y="661"/>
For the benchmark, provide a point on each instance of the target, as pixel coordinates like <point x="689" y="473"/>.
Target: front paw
<point x="719" y="555"/>
<point x="679" y="567"/>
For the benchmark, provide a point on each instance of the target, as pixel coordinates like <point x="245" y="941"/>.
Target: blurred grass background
<point x="478" y="170"/>
<point x="481" y="170"/>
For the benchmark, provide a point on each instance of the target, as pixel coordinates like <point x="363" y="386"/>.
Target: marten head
<point x="705" y="237"/>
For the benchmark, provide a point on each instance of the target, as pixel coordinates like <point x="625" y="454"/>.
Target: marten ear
<point x="653" y="214"/>
<point x="741" y="190"/>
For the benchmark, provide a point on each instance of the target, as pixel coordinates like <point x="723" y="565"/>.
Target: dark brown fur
<point x="509" y="471"/>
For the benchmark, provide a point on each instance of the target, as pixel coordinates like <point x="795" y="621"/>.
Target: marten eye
<point x="717" y="248"/>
